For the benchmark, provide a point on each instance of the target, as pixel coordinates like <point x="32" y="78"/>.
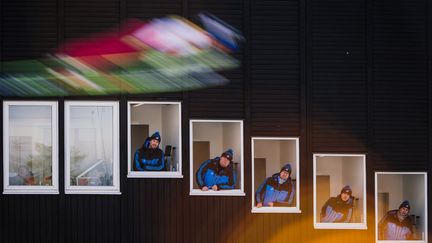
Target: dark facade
<point x="343" y="76"/>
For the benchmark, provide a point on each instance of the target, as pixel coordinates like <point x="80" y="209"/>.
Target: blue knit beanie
<point x="405" y="204"/>
<point x="156" y="136"/>
<point x="228" y="154"/>
<point x="286" y="168"/>
<point x="346" y="189"/>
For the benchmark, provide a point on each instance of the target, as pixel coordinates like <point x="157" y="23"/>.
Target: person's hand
<point x="204" y="188"/>
<point x="214" y="188"/>
<point x="270" y="204"/>
<point x="259" y="205"/>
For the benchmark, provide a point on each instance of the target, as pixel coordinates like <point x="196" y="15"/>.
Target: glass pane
<point x="91" y="143"/>
<point x="30" y="145"/>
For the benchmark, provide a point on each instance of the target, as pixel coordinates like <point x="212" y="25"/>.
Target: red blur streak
<point x="103" y="44"/>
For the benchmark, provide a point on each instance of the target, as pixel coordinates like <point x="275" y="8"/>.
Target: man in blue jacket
<point x="217" y="174"/>
<point x="338" y="209"/>
<point x="396" y="224"/>
<point x="150" y="157"/>
<point x="277" y="190"/>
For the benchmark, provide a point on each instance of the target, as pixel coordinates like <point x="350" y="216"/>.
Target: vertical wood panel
<point x="275" y="68"/>
<point x="400" y="85"/>
<point x="339" y="98"/>
<point x="29" y="28"/>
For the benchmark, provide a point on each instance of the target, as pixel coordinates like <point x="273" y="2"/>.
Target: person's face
<point x="345" y="196"/>
<point x="154" y="143"/>
<point x="404" y="211"/>
<point x="224" y="162"/>
<point x="284" y="175"/>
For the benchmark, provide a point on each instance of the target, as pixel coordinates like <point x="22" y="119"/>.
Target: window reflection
<point x="30" y="145"/>
<point x="91" y="157"/>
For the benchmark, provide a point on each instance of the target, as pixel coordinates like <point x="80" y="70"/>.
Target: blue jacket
<point x="211" y="173"/>
<point x="271" y="191"/>
<point x="390" y="228"/>
<point x="147" y="159"/>
<point x="335" y="210"/>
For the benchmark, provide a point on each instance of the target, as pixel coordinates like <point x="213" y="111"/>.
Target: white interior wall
<point x="269" y="150"/>
<point x="414" y="192"/>
<point x="392" y="184"/>
<point x="288" y="155"/>
<point x="170" y="126"/>
<point x="232" y="139"/>
<point x="209" y="131"/>
<point x="332" y="166"/>
<point x="352" y="175"/>
<point x="149" y="114"/>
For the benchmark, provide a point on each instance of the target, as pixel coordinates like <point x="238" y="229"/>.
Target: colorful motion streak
<point x="162" y="55"/>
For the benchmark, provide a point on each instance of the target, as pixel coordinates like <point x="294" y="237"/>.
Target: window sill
<point x="275" y="210"/>
<point x="30" y="190"/>
<point x="235" y="192"/>
<point x="359" y="226"/>
<point x="92" y="191"/>
<point x="154" y="174"/>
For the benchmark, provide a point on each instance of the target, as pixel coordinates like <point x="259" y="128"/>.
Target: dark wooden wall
<point x="344" y="76"/>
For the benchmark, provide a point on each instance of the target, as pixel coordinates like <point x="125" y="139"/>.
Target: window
<point x="211" y="143"/>
<point x="30" y="147"/>
<point x="270" y="157"/>
<point x="144" y="119"/>
<point x="339" y="179"/>
<point x="393" y="192"/>
<point x="91" y="147"/>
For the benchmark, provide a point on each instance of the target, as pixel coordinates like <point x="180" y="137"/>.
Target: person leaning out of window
<point x="218" y="173"/>
<point x="338" y="209"/>
<point x="396" y="224"/>
<point x="277" y="190"/>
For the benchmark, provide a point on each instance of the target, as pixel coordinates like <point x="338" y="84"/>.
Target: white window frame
<point x="198" y="192"/>
<point x="425" y="206"/>
<point x="295" y="209"/>
<point x="115" y="188"/>
<point x="54" y="188"/>
<point x="154" y="174"/>
<point x="357" y="226"/>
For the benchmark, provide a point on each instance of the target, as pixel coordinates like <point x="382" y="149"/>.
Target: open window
<point x="272" y="192"/>
<point x="339" y="191"/>
<point x="144" y="120"/>
<point x="30" y="147"/>
<point x="92" y="147"/>
<point x="211" y="142"/>
<point x="395" y="192"/>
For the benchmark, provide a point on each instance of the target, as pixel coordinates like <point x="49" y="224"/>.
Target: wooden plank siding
<point x="343" y="76"/>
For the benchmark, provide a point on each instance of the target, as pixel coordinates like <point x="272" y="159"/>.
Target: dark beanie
<point x="405" y="204"/>
<point x="346" y="189"/>
<point x="286" y="168"/>
<point x="156" y="136"/>
<point x="228" y="154"/>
